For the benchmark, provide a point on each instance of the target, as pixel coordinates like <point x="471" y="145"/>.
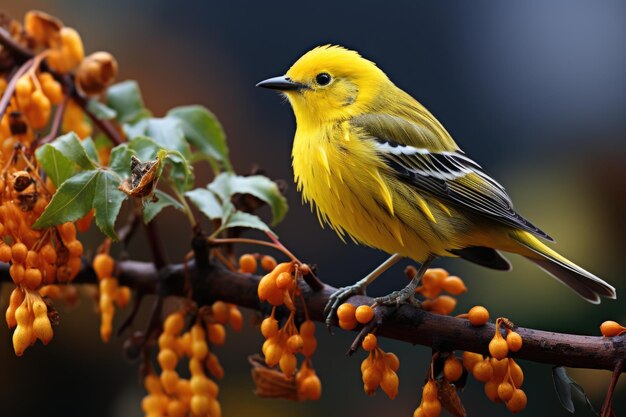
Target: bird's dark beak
<point x="282" y="83"/>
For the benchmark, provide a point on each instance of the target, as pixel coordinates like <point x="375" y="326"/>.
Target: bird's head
<point x="329" y="83"/>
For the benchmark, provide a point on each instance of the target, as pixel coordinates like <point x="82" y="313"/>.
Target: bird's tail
<point x="584" y="283"/>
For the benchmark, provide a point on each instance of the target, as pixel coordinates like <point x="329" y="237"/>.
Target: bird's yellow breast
<point x="343" y="177"/>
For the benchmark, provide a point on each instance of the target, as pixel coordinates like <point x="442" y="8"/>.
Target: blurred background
<point x="534" y="91"/>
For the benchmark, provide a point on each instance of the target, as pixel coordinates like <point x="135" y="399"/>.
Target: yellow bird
<point x="378" y="167"/>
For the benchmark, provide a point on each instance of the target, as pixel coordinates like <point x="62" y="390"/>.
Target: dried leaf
<point x="450" y="400"/>
<point x="271" y="383"/>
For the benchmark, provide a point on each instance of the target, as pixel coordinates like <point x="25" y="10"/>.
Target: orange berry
<point x="452" y="369"/>
<point x="470" y="359"/>
<point x="32" y="278"/>
<point x="248" y="263"/>
<point x="167" y="342"/>
<point x="505" y="391"/>
<point x="169" y="379"/>
<point x="491" y="391"/>
<point x="498" y="348"/>
<point x="19" y="252"/>
<point x="348" y="324"/>
<point x="288" y="364"/>
<point x="500" y="368"/>
<point x="372" y="377"/>
<point x="5" y="252"/>
<point x="429" y="392"/>
<point x="611" y="328"/>
<point x="433" y="278"/>
<point x="295" y="343"/>
<point x="389" y="383"/>
<point x="483" y="371"/>
<point x="103" y="264"/>
<point x="392" y="361"/>
<point x="176" y="408"/>
<point x="48" y="253"/>
<point x="75" y="248"/>
<point x="235" y="318"/>
<point x="268" y="263"/>
<point x="516" y="373"/>
<point x="444" y="304"/>
<point x="200" y="384"/>
<point x="307" y="328"/>
<point x="217" y="334"/>
<point x="167" y="359"/>
<point x="221" y="312"/>
<point x="431" y="408"/>
<point x="454" y="285"/>
<point x="174" y="324"/>
<point x="199" y="349"/>
<point x="478" y="316"/>
<point x="419" y="412"/>
<point x="68" y="231"/>
<point x="284" y="280"/>
<point x="17" y="273"/>
<point x="364" y="314"/>
<point x="273" y="354"/>
<point x="269" y="327"/>
<point x="311" y="388"/>
<point x="369" y="342"/>
<point x="346" y="312"/>
<point x="514" y="341"/>
<point x="310" y="344"/>
<point x="517" y="402"/>
<point x="200" y="405"/>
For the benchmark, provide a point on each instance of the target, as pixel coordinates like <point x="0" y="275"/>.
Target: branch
<point x="407" y="323"/>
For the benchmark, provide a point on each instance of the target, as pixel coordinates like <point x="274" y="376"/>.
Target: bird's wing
<point x="447" y="174"/>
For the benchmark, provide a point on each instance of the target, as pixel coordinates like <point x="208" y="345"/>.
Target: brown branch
<point x="19" y="51"/>
<point x="608" y="401"/>
<point x="407" y="324"/>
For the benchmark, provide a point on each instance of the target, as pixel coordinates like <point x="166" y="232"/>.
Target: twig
<point x="156" y="245"/>
<point x="56" y="124"/>
<point x="8" y="92"/>
<point x="19" y="51"/>
<point x="407" y="323"/>
<point x="608" y="400"/>
<point x="105" y="126"/>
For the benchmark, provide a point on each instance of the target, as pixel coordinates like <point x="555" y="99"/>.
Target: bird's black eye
<point x="322" y="78"/>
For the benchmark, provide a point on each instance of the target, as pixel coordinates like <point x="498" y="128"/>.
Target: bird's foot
<point x="338" y="297"/>
<point x="405" y="295"/>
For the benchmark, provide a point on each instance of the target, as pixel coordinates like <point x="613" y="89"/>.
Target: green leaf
<point x="73" y="149"/>
<point x="136" y="129"/>
<point x="168" y="133"/>
<point x="119" y="162"/>
<point x="567" y="388"/>
<point x="227" y="184"/>
<point x="73" y="200"/>
<point x="57" y="166"/>
<point x="243" y="219"/>
<point x="100" y="110"/>
<point x="181" y="174"/>
<point x="206" y="202"/>
<point x="152" y="208"/>
<point x="90" y="148"/>
<point x="107" y="202"/>
<point x="204" y="131"/>
<point x="125" y="99"/>
<point x="145" y="148"/>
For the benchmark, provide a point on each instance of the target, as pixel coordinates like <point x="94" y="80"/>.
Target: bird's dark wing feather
<point x="449" y="175"/>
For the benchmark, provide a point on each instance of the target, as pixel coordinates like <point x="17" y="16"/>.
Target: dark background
<point x="535" y="91"/>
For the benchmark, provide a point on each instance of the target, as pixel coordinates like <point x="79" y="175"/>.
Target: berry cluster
<point x="110" y="292"/>
<point x="379" y="369"/>
<point x="435" y="281"/>
<point x="171" y="395"/>
<point x="501" y="375"/>
<point x="430" y="406"/>
<point x="351" y="316"/>
<point x="28" y="313"/>
<point x="280" y="287"/>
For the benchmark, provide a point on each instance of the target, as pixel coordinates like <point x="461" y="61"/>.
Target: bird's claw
<point x="405" y="295"/>
<point x="338" y="297"/>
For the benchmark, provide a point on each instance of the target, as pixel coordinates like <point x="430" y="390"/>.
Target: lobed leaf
<point x="227" y="184"/>
<point x="152" y="208"/>
<point x="125" y="99"/>
<point x="101" y="110"/>
<point x="72" y="148"/>
<point x="206" y="202"/>
<point x="56" y="165"/>
<point x="204" y="132"/>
